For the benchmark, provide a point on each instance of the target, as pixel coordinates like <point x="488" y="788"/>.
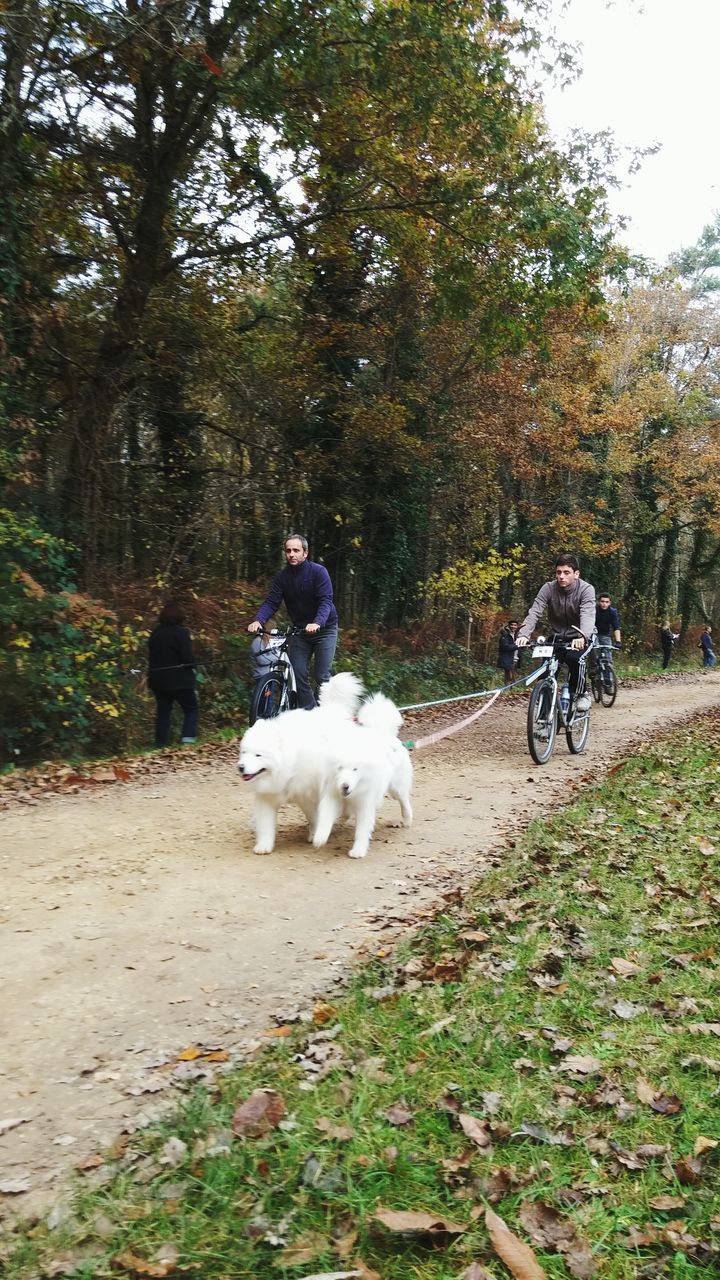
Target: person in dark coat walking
<point x="508" y="652"/>
<point x="171" y="674"/>
<point x="667" y="640"/>
<point x="706" y="644"/>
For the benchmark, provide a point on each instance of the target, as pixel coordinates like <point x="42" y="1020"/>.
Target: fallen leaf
<point x="90" y="1162"/>
<point x="303" y="1249"/>
<point x="411" y="1222"/>
<point x="544" y="1225"/>
<point x="517" y="1256"/>
<point x="665" y="1203"/>
<point x="477" y="1272"/>
<point x="322" y="1177"/>
<point x="701" y="1145"/>
<point x="476" y="1130"/>
<point x="7" y="1125"/>
<point x="190" y="1054"/>
<point x="625" y="968"/>
<point x="174" y="1152"/>
<point x="626" y="1010"/>
<point x="323" y="1013"/>
<point x="474" y="935"/>
<point x="630" y="1159"/>
<point x="341" y="1132"/>
<point x="398" y="1114"/>
<point x="688" y="1170"/>
<point x="540" y="1134"/>
<point x="140" y="1266"/>
<point x="581" y="1064"/>
<point x="645" y="1091"/>
<point x="579" y="1259"/>
<point x="260" y="1113"/>
<point x="667" y="1104"/>
<point x="437" y="1026"/>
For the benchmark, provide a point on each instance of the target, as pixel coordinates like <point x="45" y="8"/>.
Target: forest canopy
<point x="285" y="264"/>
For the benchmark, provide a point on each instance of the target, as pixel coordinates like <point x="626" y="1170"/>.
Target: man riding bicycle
<point x="306" y="590"/>
<point x="569" y="604"/>
<point x="607" y="624"/>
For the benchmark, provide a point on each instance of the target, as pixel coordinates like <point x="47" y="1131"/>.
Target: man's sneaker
<point x="582" y="703"/>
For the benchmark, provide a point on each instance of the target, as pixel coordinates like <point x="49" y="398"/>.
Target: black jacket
<point x="170" y="646"/>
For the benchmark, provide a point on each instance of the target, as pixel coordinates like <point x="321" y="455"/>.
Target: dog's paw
<point x="261" y="848"/>
<point x="357" y="853"/>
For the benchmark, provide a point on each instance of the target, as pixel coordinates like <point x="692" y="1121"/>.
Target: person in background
<point x="667" y="640"/>
<point x="569" y="604"/>
<point x="607" y="625"/>
<point x="706" y="644"/>
<point x="508" y="652"/>
<point x="607" y="620"/>
<point x="306" y="591"/>
<point x="171" y="674"/>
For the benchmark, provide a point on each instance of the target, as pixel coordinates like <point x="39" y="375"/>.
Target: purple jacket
<point x="307" y="592"/>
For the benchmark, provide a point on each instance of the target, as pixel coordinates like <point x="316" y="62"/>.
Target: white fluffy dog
<point x="369" y="762"/>
<point x="286" y="759"/>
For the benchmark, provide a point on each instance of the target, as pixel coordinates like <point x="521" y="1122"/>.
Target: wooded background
<point x="292" y="265"/>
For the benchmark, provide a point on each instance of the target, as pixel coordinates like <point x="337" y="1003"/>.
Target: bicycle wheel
<point x="269" y="698"/>
<point x="577" y="732"/>
<point x="541" y="722"/>
<point x="597" y="686"/>
<point x="608" y="687"/>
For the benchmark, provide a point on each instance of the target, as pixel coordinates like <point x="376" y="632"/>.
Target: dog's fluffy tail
<point x="380" y="714"/>
<point x="342" y="692"/>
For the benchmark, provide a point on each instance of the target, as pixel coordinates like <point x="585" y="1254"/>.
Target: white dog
<point x="286" y="759"/>
<point x="369" y="763"/>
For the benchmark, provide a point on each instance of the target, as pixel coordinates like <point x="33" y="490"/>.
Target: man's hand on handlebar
<point x="312" y="627"/>
<point x="255" y="626"/>
<point x="521" y="641"/>
<point x="577" y="643"/>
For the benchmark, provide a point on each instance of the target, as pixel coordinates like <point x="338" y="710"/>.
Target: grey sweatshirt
<point x="568" y="611"/>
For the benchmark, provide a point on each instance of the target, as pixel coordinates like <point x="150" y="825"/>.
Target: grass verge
<point x="547" y="1049"/>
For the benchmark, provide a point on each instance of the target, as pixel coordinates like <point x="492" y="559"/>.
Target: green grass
<point x="477" y="1025"/>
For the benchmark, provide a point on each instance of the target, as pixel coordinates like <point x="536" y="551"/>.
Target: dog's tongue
<point x="247" y="777"/>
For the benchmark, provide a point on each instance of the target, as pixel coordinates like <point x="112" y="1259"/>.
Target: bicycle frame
<point x="546" y="715"/>
<point x="280" y="673"/>
<point x="551" y="662"/>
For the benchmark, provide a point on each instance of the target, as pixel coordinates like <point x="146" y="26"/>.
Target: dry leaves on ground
<point x="517" y="1256"/>
<point x="260" y="1113"/>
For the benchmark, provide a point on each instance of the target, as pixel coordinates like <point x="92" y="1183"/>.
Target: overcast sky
<point x="650" y="73"/>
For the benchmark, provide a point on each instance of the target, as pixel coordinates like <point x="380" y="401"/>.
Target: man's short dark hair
<point x="566" y="558"/>
<point x="604" y="595"/>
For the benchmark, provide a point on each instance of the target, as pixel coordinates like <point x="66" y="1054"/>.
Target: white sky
<point x="651" y="75"/>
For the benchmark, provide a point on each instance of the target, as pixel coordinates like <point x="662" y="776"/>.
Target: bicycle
<point x="604" y="681"/>
<point x="276" y="690"/>
<point x="546" y="715"/>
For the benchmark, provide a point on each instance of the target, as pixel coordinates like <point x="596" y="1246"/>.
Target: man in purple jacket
<point x="306" y="591"/>
<point x="569" y="605"/>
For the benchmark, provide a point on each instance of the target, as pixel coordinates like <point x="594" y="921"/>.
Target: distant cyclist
<point x="607" y="620"/>
<point x="569" y="604"/>
<point x="607" y="623"/>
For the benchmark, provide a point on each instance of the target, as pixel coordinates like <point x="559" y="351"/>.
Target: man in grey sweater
<point x="569" y="605"/>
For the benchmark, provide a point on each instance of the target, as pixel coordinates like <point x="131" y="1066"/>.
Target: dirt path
<point x="136" y="922"/>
